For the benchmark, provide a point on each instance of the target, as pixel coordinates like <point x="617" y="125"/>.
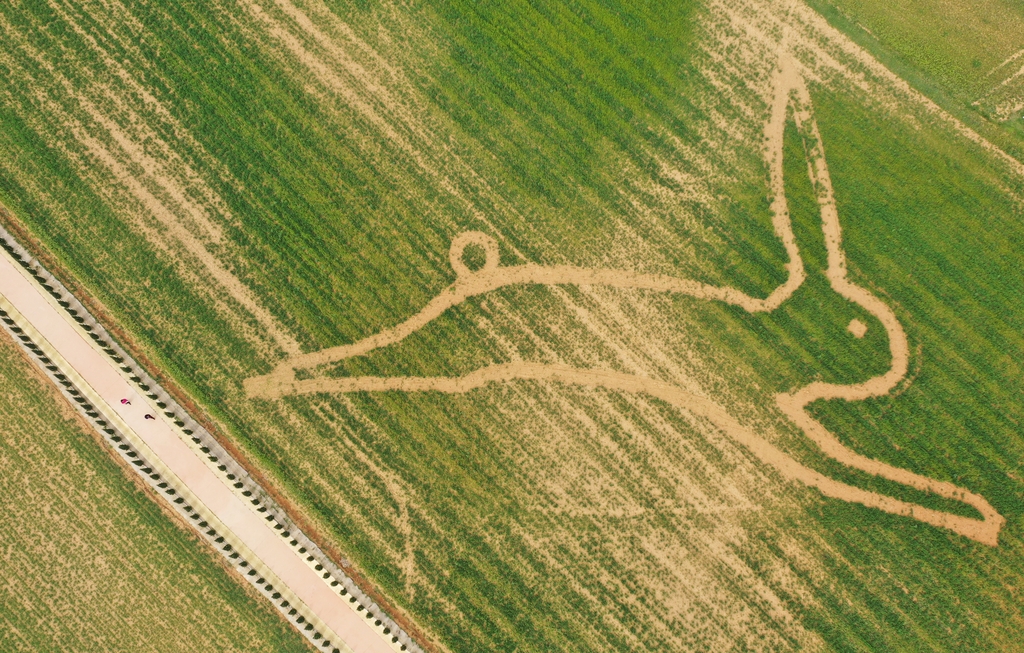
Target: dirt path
<point x="1007" y="94"/>
<point x="790" y="90"/>
<point x="83" y="365"/>
<point x="492" y="276"/>
<point x="1013" y="57"/>
<point x="793" y="404"/>
<point x="982" y="531"/>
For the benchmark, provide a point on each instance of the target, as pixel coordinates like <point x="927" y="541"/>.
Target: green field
<point x="968" y="57"/>
<point x="323" y="156"/>
<point x="91" y="563"/>
<point x="957" y="45"/>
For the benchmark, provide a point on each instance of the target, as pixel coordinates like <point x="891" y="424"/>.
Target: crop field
<point x="241" y="183"/>
<point x="967" y="56"/>
<point x="91" y="563"/>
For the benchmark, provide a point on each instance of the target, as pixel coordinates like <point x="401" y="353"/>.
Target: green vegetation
<point x="963" y="56"/>
<point x="937" y="239"/>
<point x="538" y="517"/>
<point x="91" y="563"/>
<point x="956" y="45"/>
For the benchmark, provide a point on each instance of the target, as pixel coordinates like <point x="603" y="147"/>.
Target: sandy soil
<point x="857" y="328"/>
<point x="790" y="90"/>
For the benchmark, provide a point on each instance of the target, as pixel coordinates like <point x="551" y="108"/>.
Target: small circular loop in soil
<point x="479" y="238"/>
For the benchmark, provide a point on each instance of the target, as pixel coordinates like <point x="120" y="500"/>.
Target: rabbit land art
<point x="790" y="90"/>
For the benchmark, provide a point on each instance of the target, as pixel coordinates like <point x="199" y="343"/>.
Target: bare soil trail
<point x="790" y="90"/>
<point x="492" y="276"/>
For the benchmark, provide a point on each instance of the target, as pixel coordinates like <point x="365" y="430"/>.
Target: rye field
<point x="90" y="562"/>
<point x="241" y="182"/>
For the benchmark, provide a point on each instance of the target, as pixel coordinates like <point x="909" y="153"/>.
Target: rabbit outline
<point x="790" y="89"/>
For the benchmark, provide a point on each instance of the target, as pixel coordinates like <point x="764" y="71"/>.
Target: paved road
<point x="210" y="493"/>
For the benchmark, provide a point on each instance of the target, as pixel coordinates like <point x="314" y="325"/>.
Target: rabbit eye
<point x="857" y="328"/>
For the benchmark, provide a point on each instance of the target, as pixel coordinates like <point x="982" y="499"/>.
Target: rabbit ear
<point x="786" y="79"/>
<point x="790" y="91"/>
<point x="793" y="404"/>
<point x="821" y="180"/>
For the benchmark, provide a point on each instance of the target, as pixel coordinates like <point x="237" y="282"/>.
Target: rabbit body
<point x="790" y="90"/>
